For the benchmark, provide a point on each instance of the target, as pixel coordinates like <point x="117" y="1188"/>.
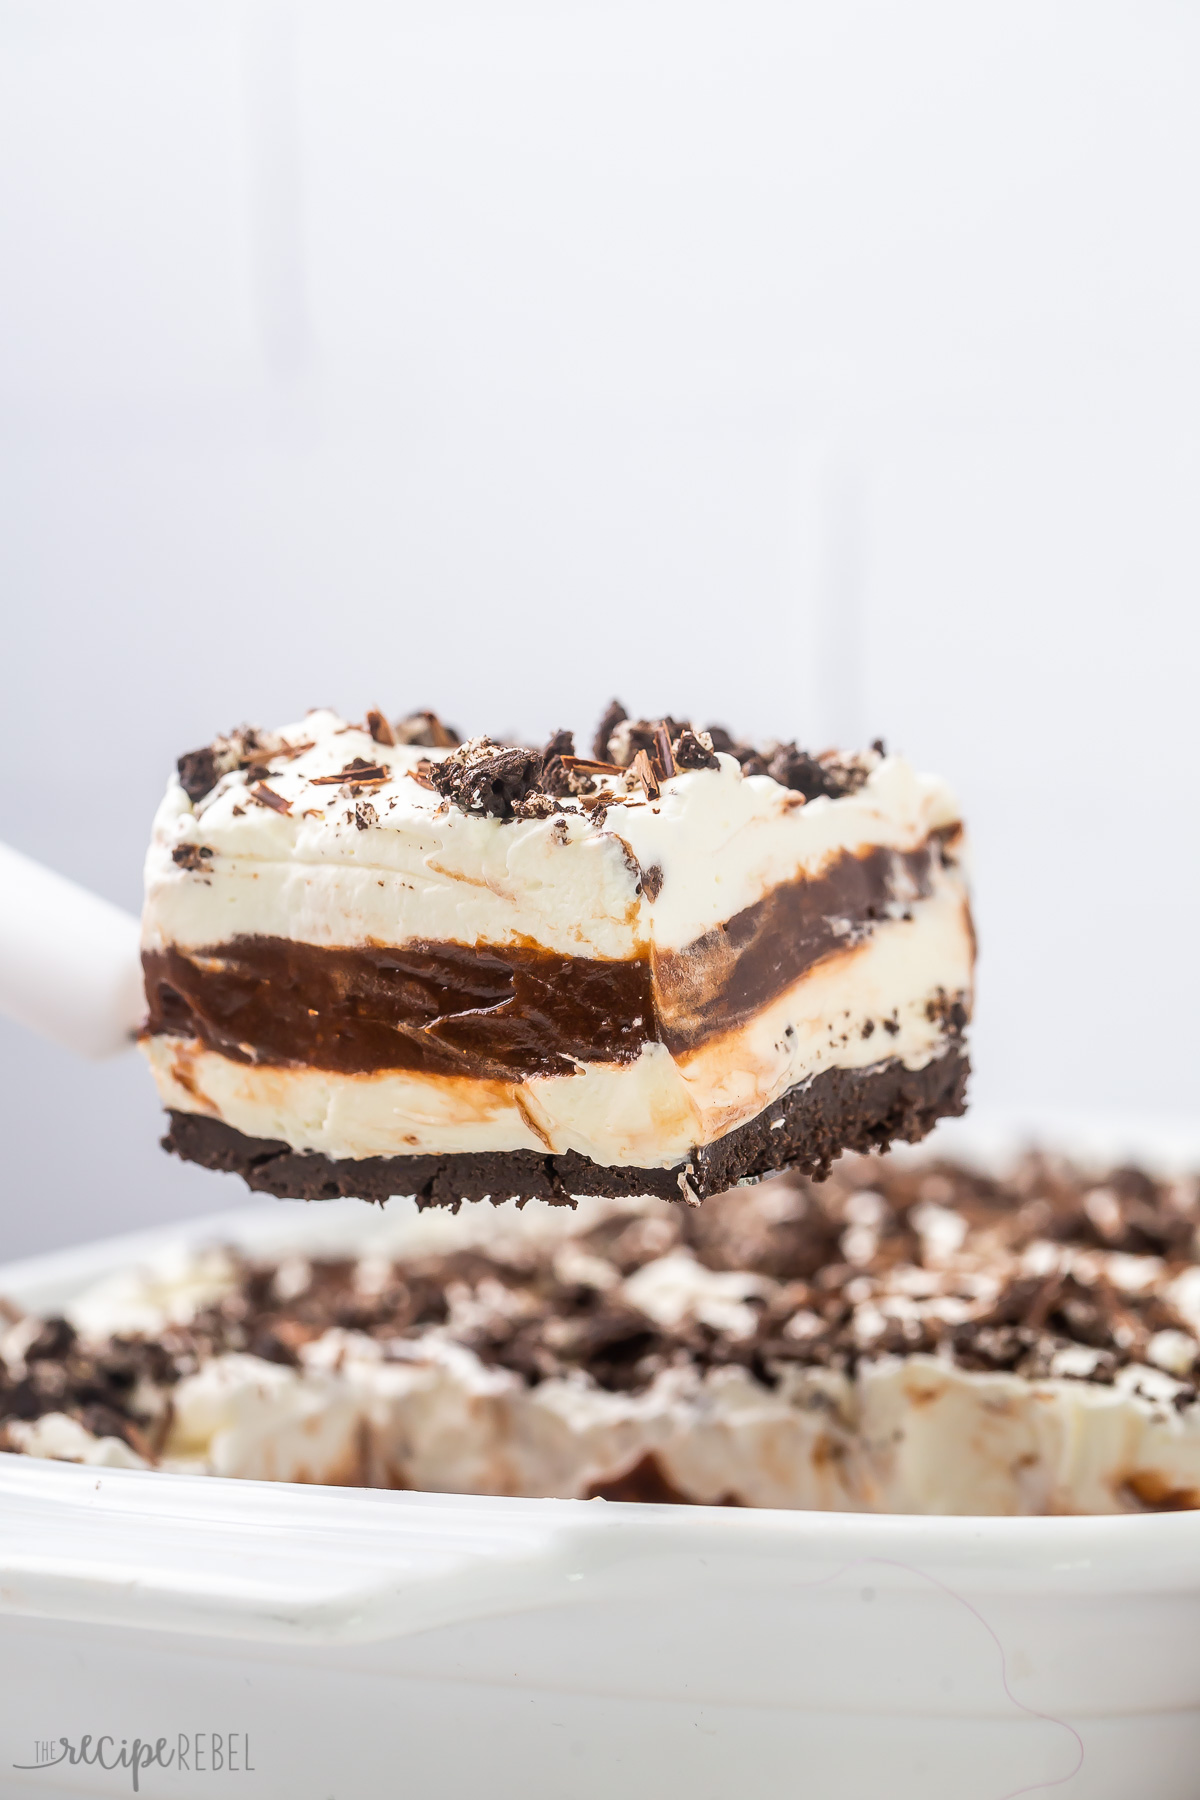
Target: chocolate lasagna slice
<point x="383" y="962"/>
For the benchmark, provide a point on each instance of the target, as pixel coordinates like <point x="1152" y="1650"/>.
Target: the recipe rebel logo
<point x="198" y="1753"/>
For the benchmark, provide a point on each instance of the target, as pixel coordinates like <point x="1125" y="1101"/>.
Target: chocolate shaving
<point x="268" y="797"/>
<point x="643" y="769"/>
<point x="584" y="765"/>
<point x="360" y="773"/>
<point x="632" y="735"/>
<point x="379" y="728"/>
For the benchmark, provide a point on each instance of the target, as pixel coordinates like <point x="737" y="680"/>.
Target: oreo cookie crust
<point x="841" y="1109"/>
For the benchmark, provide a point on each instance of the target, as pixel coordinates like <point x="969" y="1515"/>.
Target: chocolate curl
<point x="379" y="728"/>
<point x="643" y="770"/>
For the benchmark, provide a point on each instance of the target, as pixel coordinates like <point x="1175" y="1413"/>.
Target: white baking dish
<point x="356" y="1644"/>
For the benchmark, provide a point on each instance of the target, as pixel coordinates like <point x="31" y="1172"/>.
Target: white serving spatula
<point x="69" y="962"/>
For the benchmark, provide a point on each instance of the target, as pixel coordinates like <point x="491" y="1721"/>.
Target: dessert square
<point x="382" y="962"/>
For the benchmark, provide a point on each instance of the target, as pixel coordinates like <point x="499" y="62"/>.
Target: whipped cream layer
<point x="327" y="873"/>
<point x="898" y="1437"/>
<point x="752" y="1354"/>
<point x="394" y="976"/>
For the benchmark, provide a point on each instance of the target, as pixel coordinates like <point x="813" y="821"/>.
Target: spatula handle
<point x="69" y="962"/>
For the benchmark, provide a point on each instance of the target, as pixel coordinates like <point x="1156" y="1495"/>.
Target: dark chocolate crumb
<point x="690" y="751"/>
<point x="536" y="806"/>
<point x="426" y="730"/>
<point x="803" y="774"/>
<point x="246" y="748"/>
<point x="555" y="778"/>
<point x="485" y="778"/>
<point x="198" y="772"/>
<point x="191" y="856"/>
<point x="614" y="714"/>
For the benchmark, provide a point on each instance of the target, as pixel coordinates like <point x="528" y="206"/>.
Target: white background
<point x="825" y="369"/>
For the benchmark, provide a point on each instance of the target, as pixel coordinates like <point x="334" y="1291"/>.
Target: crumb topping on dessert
<point x="1049" y="1272"/>
<point x="512" y="781"/>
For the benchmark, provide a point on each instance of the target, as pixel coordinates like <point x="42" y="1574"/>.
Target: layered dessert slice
<point x="380" y="962"/>
<point x="908" y="1337"/>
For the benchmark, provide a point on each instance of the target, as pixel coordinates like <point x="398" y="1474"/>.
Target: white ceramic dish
<point x="353" y="1645"/>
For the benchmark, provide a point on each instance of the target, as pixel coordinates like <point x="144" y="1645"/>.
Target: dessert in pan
<point x="908" y="1336"/>
<point x="380" y="961"/>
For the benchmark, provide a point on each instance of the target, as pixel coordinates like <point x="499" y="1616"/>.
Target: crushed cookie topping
<point x="488" y="778"/>
<point x="507" y="781"/>
<point x="247" y="749"/>
<point x="1050" y="1271"/>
